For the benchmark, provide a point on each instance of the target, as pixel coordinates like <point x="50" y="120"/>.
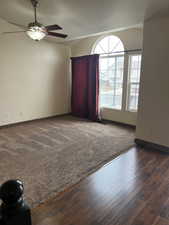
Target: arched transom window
<point x="109" y="45"/>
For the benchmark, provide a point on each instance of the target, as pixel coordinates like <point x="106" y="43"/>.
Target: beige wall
<point x="34" y="78"/>
<point x="132" y="39"/>
<point x="153" y="116"/>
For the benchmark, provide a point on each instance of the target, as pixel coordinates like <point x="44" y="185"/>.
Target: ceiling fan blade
<point x="53" y="34"/>
<point x="13" y="32"/>
<point x="18" y="25"/>
<point x="53" y="27"/>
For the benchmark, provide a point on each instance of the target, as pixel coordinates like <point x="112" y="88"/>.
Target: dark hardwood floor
<point x="133" y="189"/>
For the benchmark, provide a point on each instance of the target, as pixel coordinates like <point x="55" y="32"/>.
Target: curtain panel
<point x="85" y="87"/>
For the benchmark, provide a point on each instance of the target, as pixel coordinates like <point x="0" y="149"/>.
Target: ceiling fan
<point x="38" y="31"/>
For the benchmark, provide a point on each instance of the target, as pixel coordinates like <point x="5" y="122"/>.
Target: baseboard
<point x="151" y="145"/>
<point x="28" y="121"/>
<point x="104" y="121"/>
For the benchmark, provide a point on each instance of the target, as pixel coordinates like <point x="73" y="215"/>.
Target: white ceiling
<point x="83" y="17"/>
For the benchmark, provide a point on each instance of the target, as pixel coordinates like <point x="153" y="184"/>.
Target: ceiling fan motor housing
<point x="36" y="24"/>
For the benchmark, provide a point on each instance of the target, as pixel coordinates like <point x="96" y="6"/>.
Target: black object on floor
<point x="13" y="210"/>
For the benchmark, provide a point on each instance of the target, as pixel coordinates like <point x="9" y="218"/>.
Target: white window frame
<point x="126" y="77"/>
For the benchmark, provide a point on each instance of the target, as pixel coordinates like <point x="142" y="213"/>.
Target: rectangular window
<point x="133" y="82"/>
<point x="111" y="81"/>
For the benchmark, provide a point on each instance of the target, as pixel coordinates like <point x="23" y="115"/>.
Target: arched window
<point x="111" y="52"/>
<point x="109" y="45"/>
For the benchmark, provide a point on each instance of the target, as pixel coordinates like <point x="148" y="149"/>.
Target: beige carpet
<point x="50" y="155"/>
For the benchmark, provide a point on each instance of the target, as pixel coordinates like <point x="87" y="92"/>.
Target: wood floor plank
<point x="133" y="190"/>
<point x="161" y="221"/>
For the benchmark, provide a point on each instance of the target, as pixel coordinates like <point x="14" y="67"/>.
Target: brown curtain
<point x="85" y="87"/>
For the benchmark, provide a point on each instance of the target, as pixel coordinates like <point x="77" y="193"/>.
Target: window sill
<point x="131" y="111"/>
<point x="109" y="108"/>
<point x="118" y="110"/>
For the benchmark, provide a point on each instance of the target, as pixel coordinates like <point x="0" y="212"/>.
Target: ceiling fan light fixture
<point x="36" y="33"/>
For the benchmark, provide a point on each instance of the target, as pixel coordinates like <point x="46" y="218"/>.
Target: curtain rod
<point x="125" y="51"/>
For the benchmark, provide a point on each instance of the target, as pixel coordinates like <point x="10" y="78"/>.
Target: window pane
<point x="135" y="65"/>
<point x="111" y="81"/>
<point x="134" y="82"/>
<point x="109" y="44"/>
<point x="133" y="98"/>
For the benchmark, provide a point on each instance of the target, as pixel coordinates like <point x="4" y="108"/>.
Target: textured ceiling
<point x="83" y="17"/>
